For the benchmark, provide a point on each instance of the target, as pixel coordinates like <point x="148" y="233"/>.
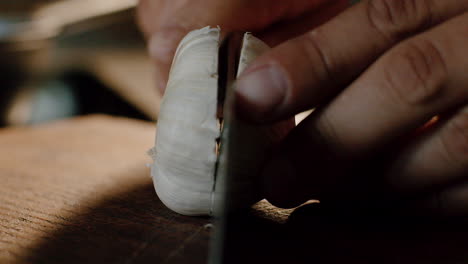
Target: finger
<point x="447" y="203"/>
<point x="310" y="69"/>
<point x="143" y="10"/>
<point x="166" y="23"/>
<point x="437" y="159"/>
<point x="161" y="47"/>
<point x="450" y="202"/>
<point x="256" y="15"/>
<point x="413" y="82"/>
<point x="290" y="28"/>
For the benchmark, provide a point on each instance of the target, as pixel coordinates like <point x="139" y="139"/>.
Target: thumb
<point x="293" y="76"/>
<point x="162" y="46"/>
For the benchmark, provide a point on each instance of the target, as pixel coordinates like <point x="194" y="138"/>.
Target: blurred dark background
<point x="67" y="58"/>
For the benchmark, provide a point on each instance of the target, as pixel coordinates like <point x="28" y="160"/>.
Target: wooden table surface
<point x="78" y="191"/>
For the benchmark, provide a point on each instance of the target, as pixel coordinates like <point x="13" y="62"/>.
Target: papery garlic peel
<point x="185" y="151"/>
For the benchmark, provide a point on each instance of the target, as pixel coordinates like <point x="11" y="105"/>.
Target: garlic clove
<point x="252" y="47"/>
<point x="187" y="128"/>
<point x="185" y="155"/>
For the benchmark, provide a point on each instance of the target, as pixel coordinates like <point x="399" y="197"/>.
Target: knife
<point x="228" y="61"/>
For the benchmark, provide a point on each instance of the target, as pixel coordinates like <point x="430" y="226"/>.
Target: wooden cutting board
<point x="78" y="191"/>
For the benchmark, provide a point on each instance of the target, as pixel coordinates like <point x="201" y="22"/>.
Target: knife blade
<point x="228" y="61"/>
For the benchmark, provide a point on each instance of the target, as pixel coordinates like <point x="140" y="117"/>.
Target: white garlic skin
<point x="184" y="154"/>
<point x="187" y="128"/>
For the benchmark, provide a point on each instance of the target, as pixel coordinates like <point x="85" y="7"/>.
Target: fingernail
<point x="159" y="80"/>
<point x="261" y="91"/>
<point x="163" y="44"/>
<point x="162" y="87"/>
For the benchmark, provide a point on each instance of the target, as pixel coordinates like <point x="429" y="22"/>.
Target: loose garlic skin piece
<point x="184" y="154"/>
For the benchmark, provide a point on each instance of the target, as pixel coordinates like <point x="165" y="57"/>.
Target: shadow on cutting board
<point x="313" y="234"/>
<point x="135" y="227"/>
<point x="132" y="227"/>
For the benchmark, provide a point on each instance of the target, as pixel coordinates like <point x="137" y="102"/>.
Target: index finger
<point x="309" y="70"/>
<point x="165" y="23"/>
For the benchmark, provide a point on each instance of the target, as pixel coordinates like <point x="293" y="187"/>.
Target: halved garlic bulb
<point x="187" y="129"/>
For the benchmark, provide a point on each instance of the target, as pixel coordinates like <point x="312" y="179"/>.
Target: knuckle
<point x="415" y="73"/>
<point x="455" y="140"/>
<point x="315" y="50"/>
<point x="394" y="17"/>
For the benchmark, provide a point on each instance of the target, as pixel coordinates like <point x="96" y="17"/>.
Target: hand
<point x="389" y="82"/>
<point x="166" y="22"/>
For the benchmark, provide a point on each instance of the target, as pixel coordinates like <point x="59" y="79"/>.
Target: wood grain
<point x="78" y="191"/>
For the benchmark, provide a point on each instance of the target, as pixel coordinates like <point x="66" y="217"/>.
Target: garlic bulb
<point x="185" y="151"/>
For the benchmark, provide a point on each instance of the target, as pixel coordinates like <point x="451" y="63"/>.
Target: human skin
<point x="377" y="74"/>
<point x="166" y="22"/>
